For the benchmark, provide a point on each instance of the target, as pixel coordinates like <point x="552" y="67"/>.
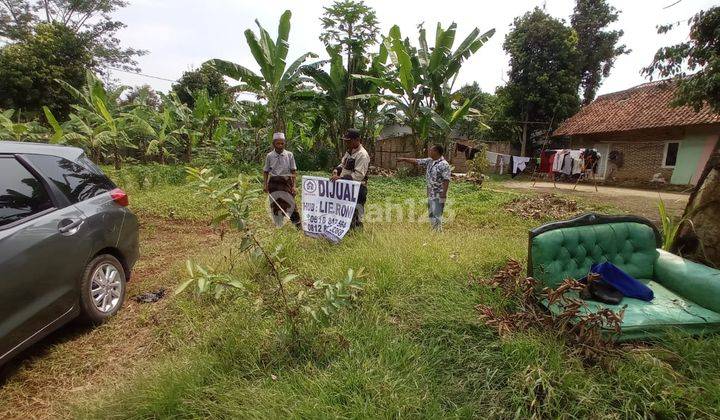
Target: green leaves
<point x="423" y="78"/>
<point x="282" y="45"/>
<point x="334" y="297"/>
<point x="275" y="84"/>
<point x="206" y="281"/>
<point x="401" y="59"/>
<point x="237" y="72"/>
<point x="670" y="226"/>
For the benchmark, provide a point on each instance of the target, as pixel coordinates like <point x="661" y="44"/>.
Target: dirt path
<point x="75" y="359"/>
<point x="634" y="201"/>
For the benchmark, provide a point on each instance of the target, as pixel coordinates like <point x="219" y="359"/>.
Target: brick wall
<point x="641" y="161"/>
<point x="642" y="151"/>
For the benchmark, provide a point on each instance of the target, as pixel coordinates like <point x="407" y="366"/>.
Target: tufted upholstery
<point x="687" y="294"/>
<point x="570" y="251"/>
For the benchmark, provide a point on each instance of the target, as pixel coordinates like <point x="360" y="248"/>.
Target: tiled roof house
<point x="649" y="135"/>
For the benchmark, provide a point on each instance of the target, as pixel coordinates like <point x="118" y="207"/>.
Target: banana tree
<point x="421" y="81"/>
<point x="185" y="120"/>
<point x="276" y="81"/>
<point x="160" y="127"/>
<point x="331" y="95"/>
<point x="19" y="131"/>
<point x="97" y="118"/>
<point x="78" y="132"/>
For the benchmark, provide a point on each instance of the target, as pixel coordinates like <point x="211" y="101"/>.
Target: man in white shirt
<point x="354" y="166"/>
<point x="279" y="176"/>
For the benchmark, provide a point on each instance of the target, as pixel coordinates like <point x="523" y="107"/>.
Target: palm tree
<point x="275" y="83"/>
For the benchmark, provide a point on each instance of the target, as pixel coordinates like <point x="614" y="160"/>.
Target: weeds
<point x="581" y="330"/>
<point x="670" y="226"/>
<point x="234" y="204"/>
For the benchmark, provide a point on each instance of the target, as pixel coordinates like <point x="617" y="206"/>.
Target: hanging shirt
<point x="559" y="159"/>
<point x="436" y="172"/>
<point x="280" y="164"/>
<point x="567" y="164"/>
<point x="491" y="157"/>
<point x="546" y="160"/>
<point x="519" y="164"/>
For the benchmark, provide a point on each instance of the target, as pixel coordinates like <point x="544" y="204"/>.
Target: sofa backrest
<point x="568" y="249"/>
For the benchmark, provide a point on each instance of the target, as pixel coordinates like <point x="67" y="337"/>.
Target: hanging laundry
<point x="591" y="160"/>
<point x="560" y="160"/>
<point x="546" y="160"/>
<point x="502" y="160"/>
<point x="567" y="164"/>
<point x="577" y="166"/>
<point x="518" y="164"/>
<point x="491" y="157"/>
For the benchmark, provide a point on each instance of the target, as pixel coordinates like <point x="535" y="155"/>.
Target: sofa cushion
<point x="667" y="309"/>
<point x="569" y="252"/>
<point x="697" y="282"/>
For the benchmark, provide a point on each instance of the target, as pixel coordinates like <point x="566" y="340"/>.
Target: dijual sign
<point x="328" y="207"/>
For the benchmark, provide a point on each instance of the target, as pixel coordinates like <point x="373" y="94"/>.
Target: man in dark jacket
<point x="354" y="166"/>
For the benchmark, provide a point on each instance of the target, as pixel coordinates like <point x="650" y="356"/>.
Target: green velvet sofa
<point x="687" y="294"/>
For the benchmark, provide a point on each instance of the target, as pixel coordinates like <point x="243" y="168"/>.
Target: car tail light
<point x="119" y="196"/>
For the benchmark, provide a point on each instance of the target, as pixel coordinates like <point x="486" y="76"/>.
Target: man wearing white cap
<point x="279" y="181"/>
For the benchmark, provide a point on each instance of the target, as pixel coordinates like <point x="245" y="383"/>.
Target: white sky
<point x="182" y="34"/>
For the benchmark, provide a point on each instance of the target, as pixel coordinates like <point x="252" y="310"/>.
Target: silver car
<point x="68" y="242"/>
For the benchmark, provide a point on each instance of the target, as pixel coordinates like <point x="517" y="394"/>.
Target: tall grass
<point x="413" y="347"/>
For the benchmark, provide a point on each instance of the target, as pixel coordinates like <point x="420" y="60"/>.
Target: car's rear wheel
<point x="102" y="290"/>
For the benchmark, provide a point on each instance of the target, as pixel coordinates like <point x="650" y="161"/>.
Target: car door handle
<point x="68" y="225"/>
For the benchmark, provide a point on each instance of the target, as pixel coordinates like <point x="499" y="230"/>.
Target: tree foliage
<point x="543" y="79"/>
<point x="598" y="48"/>
<point x="205" y="78"/>
<point x="276" y="81"/>
<point x="494" y="125"/>
<point x="695" y="63"/>
<point x="28" y="70"/>
<point x="419" y="86"/>
<point x="350" y="27"/>
<point x="89" y="20"/>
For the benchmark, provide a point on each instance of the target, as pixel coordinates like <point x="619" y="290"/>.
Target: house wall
<point x="387" y="151"/>
<point x="457" y="159"/>
<point x="643" y="152"/>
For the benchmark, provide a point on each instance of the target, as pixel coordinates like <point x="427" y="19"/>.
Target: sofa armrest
<point x="696" y="282"/>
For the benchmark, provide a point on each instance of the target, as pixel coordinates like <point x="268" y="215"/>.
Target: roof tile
<point x="643" y="106"/>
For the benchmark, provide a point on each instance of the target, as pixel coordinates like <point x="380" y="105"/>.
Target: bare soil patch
<point x="632" y="201"/>
<point x="76" y="359"/>
<point x="544" y="206"/>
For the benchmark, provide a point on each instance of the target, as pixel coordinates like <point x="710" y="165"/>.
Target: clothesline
<point x="563" y="161"/>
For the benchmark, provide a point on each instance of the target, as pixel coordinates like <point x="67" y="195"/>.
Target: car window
<point x="21" y="194"/>
<point x="76" y="181"/>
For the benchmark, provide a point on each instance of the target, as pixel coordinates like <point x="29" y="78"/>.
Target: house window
<point x="670" y="154"/>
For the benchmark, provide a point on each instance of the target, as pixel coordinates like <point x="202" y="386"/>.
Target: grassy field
<point x="412" y="345"/>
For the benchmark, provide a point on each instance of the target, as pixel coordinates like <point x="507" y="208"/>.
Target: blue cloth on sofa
<point x="622" y="281"/>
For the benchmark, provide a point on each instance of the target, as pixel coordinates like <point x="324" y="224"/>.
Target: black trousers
<point x="359" y="208"/>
